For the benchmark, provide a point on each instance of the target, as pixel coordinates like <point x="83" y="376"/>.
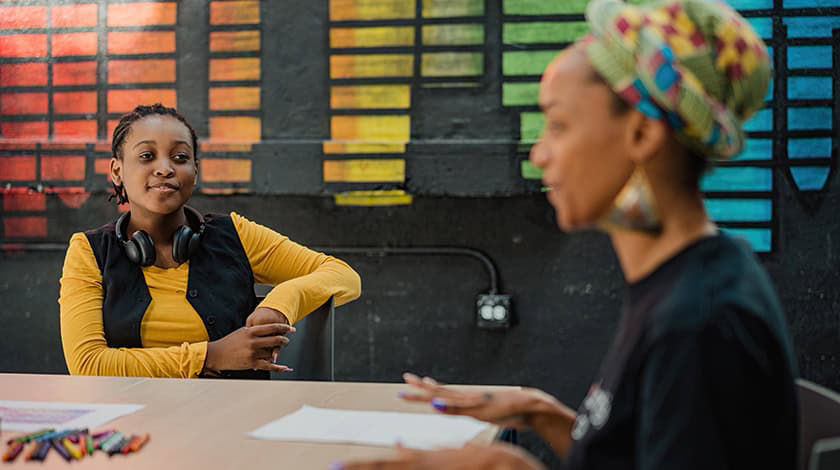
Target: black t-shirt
<point x="700" y="374"/>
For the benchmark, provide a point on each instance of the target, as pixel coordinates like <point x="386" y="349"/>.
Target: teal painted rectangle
<point x="543" y="7"/>
<point x="761" y="239"/>
<point x="762" y="26"/>
<point x="520" y="94"/>
<point x="737" y="179"/>
<point x="756" y="149"/>
<point x="811" y="3"/>
<point x="526" y="62"/>
<point x="810" y="178"/>
<point x="543" y="32"/>
<point x="810" y="118"/>
<point x="761" y="121"/>
<point x="810" y="57"/>
<point x="810" y="88"/>
<point x="750" y="4"/>
<point x="531" y="126"/>
<point x="811" y="26"/>
<point x="819" y="147"/>
<point x="739" y="210"/>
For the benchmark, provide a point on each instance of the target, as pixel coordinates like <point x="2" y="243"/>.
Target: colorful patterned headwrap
<point x="695" y="64"/>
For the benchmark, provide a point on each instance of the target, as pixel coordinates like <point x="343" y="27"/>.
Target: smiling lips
<point x="163" y="187"/>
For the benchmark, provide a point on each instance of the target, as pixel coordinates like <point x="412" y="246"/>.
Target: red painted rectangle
<point x="34" y="74"/>
<point x="74" y="16"/>
<point x="25" y="227"/>
<point x="28" y="17"/>
<point x="142" y="14"/>
<point x="141" y="71"/>
<point x="75" y="129"/>
<point x="15" y="145"/>
<point x="23" y="103"/>
<point x="63" y="168"/>
<point x="25" y="130"/>
<point x="143" y="42"/>
<point x="112" y="124"/>
<point x="74" y="73"/>
<point x="17" y="168"/>
<point x="72" y="44"/>
<point x="102" y="166"/>
<point x="76" y="102"/>
<point x="23" y="45"/>
<point x="62" y="146"/>
<point x="121" y="101"/>
<point x="24" y="202"/>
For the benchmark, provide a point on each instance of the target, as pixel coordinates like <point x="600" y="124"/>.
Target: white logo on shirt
<point x="594" y="413"/>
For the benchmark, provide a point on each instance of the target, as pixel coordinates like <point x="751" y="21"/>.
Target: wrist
<point x="210" y="358"/>
<point x="281" y="317"/>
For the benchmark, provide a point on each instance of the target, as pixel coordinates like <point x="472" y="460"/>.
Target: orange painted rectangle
<point x="141" y="71"/>
<point x="74" y="16"/>
<point x="225" y="170"/>
<point x="17" y="168"/>
<point x="71" y="44"/>
<point x="142" y="42"/>
<point x="24" y="202"/>
<point x="25" y="227"/>
<point x="76" y="102"/>
<point x="25" y="130"/>
<point x="234" y="41"/>
<point x="75" y="129"/>
<point x="62" y="146"/>
<point x="23" y="103"/>
<point x="23" y="45"/>
<point x="23" y="17"/>
<point x="217" y="147"/>
<point x="23" y="74"/>
<point x="234" y="98"/>
<point x="102" y="166"/>
<point x="235" y="129"/>
<point x="63" y="168"/>
<point x="244" y="68"/>
<point x="122" y="101"/>
<point x="142" y="14"/>
<point x="112" y="124"/>
<point x="239" y="12"/>
<point x="74" y="73"/>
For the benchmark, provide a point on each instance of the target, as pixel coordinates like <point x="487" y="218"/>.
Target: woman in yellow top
<point x="175" y="298"/>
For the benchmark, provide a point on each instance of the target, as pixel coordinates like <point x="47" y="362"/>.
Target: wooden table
<point x="202" y="423"/>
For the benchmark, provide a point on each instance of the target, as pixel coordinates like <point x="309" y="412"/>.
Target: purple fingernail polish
<point x="439" y="404"/>
<point x="401" y="394"/>
<point x="336" y="466"/>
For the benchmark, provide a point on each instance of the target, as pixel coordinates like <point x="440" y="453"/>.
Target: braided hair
<point x="124" y="127"/>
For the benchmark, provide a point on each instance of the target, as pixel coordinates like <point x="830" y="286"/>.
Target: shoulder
<point x="80" y="259"/>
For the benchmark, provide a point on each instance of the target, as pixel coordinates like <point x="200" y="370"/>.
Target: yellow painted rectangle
<point x="234" y="98"/>
<point x="344" y="147"/>
<point x="370" y="97"/>
<point x="235" y="129"/>
<point x="239" y="12"/>
<point x="371" y="66"/>
<point x="346" y="10"/>
<point x="452" y="64"/>
<point x="224" y="191"/>
<point x="373" y="198"/>
<point x="450" y="8"/>
<point x="364" y="171"/>
<point x="453" y="34"/>
<point x="241" y="68"/>
<point x="225" y="170"/>
<point x="234" y="41"/>
<point x="372" y="37"/>
<point x="375" y="128"/>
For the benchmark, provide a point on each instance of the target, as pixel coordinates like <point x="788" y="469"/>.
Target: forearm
<point x="299" y="296"/>
<point x="553" y="422"/>
<point x="184" y="361"/>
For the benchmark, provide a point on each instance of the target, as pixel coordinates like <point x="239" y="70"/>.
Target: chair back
<point x="819" y="427"/>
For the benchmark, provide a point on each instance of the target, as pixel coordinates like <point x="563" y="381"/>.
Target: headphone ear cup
<point x="132" y="251"/>
<point x="182" y="244"/>
<point x="145" y="246"/>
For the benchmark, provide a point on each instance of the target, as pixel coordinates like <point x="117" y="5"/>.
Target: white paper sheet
<point x="378" y="428"/>
<point x="31" y="416"/>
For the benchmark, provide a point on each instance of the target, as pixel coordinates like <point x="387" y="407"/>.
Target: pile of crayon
<point x="71" y="445"/>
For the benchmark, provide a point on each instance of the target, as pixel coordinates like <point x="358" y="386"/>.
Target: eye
<point x="146" y="156"/>
<point x="181" y="157"/>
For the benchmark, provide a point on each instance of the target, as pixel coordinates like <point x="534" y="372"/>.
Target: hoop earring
<point x="634" y="208"/>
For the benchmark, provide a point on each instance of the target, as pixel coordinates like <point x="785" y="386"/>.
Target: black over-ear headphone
<point x="140" y="248"/>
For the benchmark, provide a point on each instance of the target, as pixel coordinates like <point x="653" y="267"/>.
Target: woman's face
<point x="158" y="166"/>
<point x="583" y="148"/>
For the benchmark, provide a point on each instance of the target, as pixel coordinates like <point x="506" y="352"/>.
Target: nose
<point x="164" y="170"/>
<point x="539" y="154"/>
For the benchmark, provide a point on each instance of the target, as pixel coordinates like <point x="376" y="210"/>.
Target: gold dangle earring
<point x="634" y="208"/>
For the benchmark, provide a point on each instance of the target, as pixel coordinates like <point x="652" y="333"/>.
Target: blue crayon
<point x="59" y="447"/>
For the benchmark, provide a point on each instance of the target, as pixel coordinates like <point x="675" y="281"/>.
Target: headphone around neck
<point x="140" y="248"/>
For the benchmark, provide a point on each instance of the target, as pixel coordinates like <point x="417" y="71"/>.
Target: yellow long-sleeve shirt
<point x="172" y="333"/>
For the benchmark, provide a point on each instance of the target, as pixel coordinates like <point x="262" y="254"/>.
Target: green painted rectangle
<point x="452" y="64"/>
<point x="529" y="171"/>
<point x="531" y="126"/>
<point x="543" y="7"/>
<point x="452" y="8"/>
<point x="526" y="62"/>
<point x="543" y="32"/>
<point x="520" y="94"/>
<point x="453" y="34"/>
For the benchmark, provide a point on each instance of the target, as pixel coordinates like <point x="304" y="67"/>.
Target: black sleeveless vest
<point x="220" y="286"/>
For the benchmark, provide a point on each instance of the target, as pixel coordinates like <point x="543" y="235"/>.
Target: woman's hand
<point x="265" y="316"/>
<point x="249" y="347"/>
<point x="495" y="457"/>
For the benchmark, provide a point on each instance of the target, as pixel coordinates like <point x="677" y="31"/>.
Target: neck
<point x="160" y="227"/>
<point x="684" y="221"/>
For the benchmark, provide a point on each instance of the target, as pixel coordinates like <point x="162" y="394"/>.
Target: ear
<point x="116" y="171"/>
<point x="646" y="136"/>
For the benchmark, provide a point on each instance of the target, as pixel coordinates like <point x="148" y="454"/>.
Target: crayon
<point x="89" y="444"/>
<point x="43" y="448"/>
<point x="56" y="443"/>
<point x="28" y="437"/>
<point x="74" y="451"/>
<point x="30" y="451"/>
<point x="12" y="451"/>
<point x="117" y="448"/>
<point x="137" y="445"/>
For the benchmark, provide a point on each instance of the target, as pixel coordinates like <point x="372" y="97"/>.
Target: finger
<point x="263" y="364"/>
<point x="274" y="354"/>
<point x="416" y="397"/>
<point x="462" y="401"/>
<point x="269" y="342"/>
<point x="271" y="329"/>
<point x="372" y="465"/>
